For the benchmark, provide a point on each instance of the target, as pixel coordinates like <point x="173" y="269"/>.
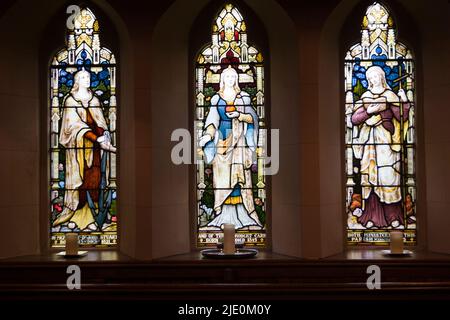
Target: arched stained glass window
<point x="83" y="137"/>
<point x="380" y="133"/>
<point x="230" y="122"/>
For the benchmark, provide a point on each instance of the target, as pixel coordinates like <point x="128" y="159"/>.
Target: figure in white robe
<point x="229" y="143"/>
<point x="85" y="136"/>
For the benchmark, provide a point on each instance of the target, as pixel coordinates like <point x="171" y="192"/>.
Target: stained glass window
<point x="380" y="133"/>
<point x="83" y="135"/>
<point x="230" y="133"/>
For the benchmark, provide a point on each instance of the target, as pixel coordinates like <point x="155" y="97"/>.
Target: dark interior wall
<point x="19" y="100"/>
<point x="152" y="41"/>
<point x="432" y="24"/>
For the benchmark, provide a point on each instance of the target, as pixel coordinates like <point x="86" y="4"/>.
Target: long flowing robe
<point x="232" y="153"/>
<point x="377" y="143"/>
<point x="79" y="130"/>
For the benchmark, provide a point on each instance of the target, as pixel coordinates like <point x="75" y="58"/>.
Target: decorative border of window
<point x="84" y="62"/>
<point x="230" y="53"/>
<point x="380" y="133"/>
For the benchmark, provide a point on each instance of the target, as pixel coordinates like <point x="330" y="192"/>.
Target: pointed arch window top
<point x="378" y="37"/>
<point x="83" y="43"/>
<point x="86" y="22"/>
<point x="377" y="17"/>
<point x="229" y="40"/>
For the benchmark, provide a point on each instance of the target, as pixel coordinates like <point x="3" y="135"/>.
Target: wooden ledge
<point x="190" y="275"/>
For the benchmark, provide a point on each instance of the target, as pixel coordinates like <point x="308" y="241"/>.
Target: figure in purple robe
<point x="378" y="117"/>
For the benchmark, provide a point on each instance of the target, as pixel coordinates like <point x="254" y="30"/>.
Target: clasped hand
<point x="401" y="93"/>
<point x="374" y="105"/>
<point x="204" y="140"/>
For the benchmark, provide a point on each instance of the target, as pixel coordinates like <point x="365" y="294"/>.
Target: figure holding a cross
<point x="381" y="116"/>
